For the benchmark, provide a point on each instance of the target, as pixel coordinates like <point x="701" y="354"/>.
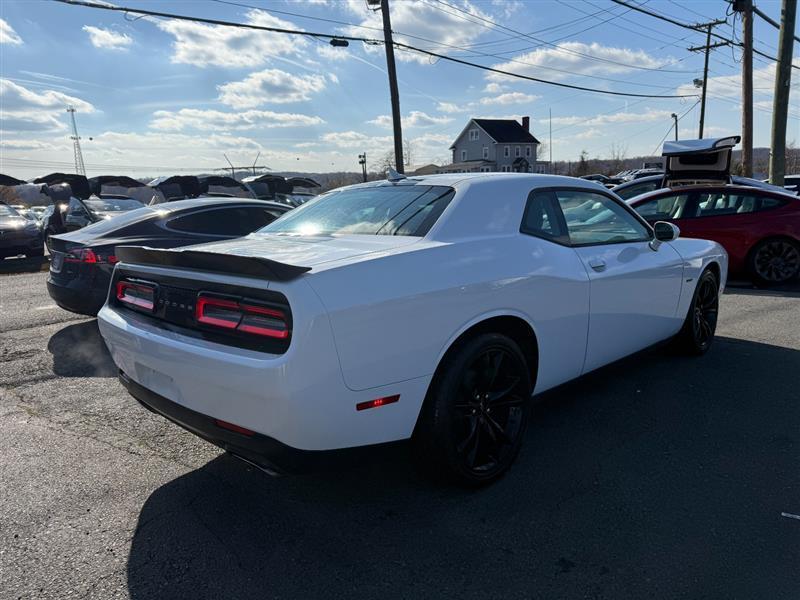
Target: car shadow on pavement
<point x="658" y="476"/>
<point x="32" y="264"/>
<point x="786" y="290"/>
<point x="79" y="351"/>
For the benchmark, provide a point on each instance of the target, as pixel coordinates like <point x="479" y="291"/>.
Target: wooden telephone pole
<point x="707" y="49"/>
<point x="745" y="7"/>
<point x="393" y="90"/>
<point x="783" y="79"/>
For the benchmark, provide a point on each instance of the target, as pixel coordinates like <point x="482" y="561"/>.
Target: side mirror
<point x="666" y="232"/>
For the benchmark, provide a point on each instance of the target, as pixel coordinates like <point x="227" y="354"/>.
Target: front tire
<point x="698" y="329"/>
<point x="476" y="412"/>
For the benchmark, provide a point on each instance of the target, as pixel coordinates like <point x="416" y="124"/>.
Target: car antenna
<point x="392" y="175"/>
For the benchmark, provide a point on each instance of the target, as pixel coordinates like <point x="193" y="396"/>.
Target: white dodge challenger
<point x="424" y="308"/>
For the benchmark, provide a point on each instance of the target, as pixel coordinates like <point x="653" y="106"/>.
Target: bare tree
<point x="618" y="155"/>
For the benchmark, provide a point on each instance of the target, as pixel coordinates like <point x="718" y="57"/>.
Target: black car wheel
<point x="476" y="413"/>
<point x="700" y="325"/>
<point x="775" y="261"/>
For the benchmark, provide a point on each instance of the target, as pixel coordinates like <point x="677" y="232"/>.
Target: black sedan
<point x="82" y="261"/>
<point x="19" y="235"/>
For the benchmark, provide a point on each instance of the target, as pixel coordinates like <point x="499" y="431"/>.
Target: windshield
<point x="386" y="210"/>
<point x="112" y="204"/>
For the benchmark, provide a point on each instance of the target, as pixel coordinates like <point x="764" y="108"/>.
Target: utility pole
<point x="745" y="7"/>
<point x="707" y="48"/>
<point x="551" y="141"/>
<point x="392" y="71"/>
<point x="362" y="160"/>
<point x="80" y="168"/>
<point x="783" y="78"/>
<point x="674" y="116"/>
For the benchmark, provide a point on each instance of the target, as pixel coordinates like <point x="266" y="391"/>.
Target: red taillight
<point x="81" y="255"/>
<point x="112" y="259"/>
<point x="239" y="316"/>
<point x="377" y="402"/>
<point x="233" y="427"/>
<point x="135" y="294"/>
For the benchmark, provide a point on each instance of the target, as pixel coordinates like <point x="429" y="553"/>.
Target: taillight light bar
<point x="243" y="317"/>
<point x="136" y="295"/>
<point x="88" y="256"/>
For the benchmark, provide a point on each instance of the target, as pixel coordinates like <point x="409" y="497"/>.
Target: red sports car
<point x="760" y="229"/>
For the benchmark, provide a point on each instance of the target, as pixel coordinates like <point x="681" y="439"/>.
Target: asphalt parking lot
<point x="657" y="477"/>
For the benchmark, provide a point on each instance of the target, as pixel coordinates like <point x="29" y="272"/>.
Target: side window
<point x="664" y="208"/>
<point x="76" y="209"/>
<point x="542" y="218"/>
<point x="234" y="221"/>
<point x="463" y="155"/>
<point x="485" y="152"/>
<point x="635" y="190"/>
<point x="717" y="204"/>
<point x="593" y="218"/>
<point x="768" y="203"/>
<point x="506" y="151"/>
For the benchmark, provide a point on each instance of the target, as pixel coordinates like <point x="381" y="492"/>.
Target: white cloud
<point x="333" y="52"/>
<point x="108" y="39"/>
<point x="422" y="19"/>
<point x="211" y="120"/>
<point x="415" y="118"/>
<point x="730" y="86"/>
<point x="8" y="35"/>
<point x="204" y="45"/>
<point x="510" y="98"/>
<point x="271" y="86"/>
<point x="494" y="88"/>
<point x="615" y="118"/>
<point x="22" y="109"/>
<point x="449" y="107"/>
<point x="354" y="139"/>
<point x="573" y="58"/>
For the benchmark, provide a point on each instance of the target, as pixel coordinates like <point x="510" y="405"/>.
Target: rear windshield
<point x="387" y="210"/>
<point x="120" y="221"/>
<point x="113" y="204"/>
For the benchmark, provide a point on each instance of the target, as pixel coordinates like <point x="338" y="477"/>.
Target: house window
<point x="528" y="151"/>
<point x="473" y="135"/>
<point x="463" y="155"/>
<point x="486" y="169"/>
<point x="485" y="152"/>
<point x="506" y="151"/>
<point x="517" y="151"/>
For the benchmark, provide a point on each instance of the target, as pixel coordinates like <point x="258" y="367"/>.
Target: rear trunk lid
<point x="693" y="162"/>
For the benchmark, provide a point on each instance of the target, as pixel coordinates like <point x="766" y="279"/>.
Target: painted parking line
<point x="45" y="307"/>
<point x="790" y="516"/>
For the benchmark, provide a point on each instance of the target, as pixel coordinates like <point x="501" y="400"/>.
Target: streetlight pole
<point x="674" y="116"/>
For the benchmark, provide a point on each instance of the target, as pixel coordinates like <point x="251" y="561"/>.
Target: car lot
<point x="659" y="476"/>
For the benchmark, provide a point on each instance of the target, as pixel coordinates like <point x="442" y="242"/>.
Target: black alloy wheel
<point x="476" y="414"/>
<point x="775" y="261"/>
<point x="700" y="325"/>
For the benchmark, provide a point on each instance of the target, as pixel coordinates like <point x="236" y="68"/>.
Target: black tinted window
<point x="233" y="221"/>
<point x="635" y="189"/>
<point x="767" y="203"/>
<point x="542" y="218"/>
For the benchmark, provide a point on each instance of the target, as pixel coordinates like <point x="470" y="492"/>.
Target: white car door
<point x="635" y="286"/>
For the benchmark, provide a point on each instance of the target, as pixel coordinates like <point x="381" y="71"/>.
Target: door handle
<point x="597" y="264"/>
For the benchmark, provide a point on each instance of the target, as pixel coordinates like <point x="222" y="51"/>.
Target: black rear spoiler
<point x="229" y="264"/>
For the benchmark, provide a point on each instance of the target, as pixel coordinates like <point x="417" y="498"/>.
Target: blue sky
<point x="159" y="95"/>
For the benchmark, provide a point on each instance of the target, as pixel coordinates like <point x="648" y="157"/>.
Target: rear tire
<point x="697" y="333"/>
<point x="775" y="261"/>
<point x="476" y="412"/>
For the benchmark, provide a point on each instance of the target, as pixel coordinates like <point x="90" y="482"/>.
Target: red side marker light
<point x="233" y="427"/>
<point x="377" y="402"/>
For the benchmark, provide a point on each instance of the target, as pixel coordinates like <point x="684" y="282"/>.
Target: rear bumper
<point x="263" y="451"/>
<point x="83" y="300"/>
<point x="14" y="243"/>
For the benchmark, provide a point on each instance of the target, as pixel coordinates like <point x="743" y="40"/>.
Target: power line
<point x="544" y="42"/>
<point x="677" y="120"/>
<point x="365" y="40"/>
<point x="692" y="27"/>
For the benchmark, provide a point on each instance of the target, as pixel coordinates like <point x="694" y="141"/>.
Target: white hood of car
<point x="306" y="251"/>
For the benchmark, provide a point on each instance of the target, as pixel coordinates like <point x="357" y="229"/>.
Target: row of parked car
<point x="32" y="213"/>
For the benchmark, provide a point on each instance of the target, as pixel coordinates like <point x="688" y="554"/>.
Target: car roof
<point x="744" y="189"/>
<point x="454" y="179"/>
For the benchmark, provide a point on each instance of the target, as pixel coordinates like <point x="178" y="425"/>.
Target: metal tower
<point x="80" y="169"/>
